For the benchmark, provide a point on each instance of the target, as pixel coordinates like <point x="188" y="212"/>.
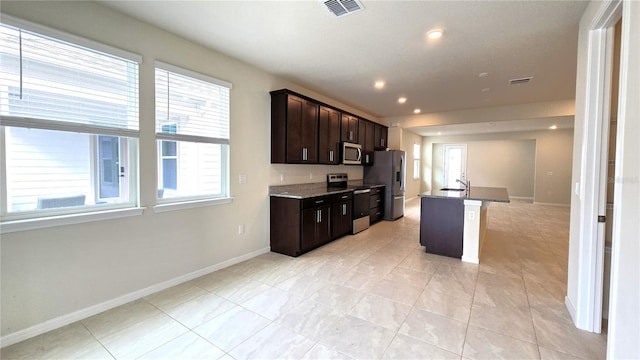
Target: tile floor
<point x="369" y="296"/>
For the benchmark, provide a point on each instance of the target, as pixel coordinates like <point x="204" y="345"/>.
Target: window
<point x="416" y="161"/>
<point x="192" y="134"/>
<point x="69" y="125"/>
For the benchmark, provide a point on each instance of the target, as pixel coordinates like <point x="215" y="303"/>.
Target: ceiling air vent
<point x="524" y="80"/>
<point x="343" y="7"/>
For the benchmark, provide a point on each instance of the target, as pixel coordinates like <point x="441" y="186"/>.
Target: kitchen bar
<point x="453" y="222"/>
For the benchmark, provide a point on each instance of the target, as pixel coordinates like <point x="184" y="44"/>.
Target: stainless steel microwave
<point x="351" y="153"/>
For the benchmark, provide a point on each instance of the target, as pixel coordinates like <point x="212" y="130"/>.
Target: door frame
<point x="588" y="311"/>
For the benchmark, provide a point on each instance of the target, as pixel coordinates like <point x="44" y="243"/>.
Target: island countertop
<point x="488" y="194"/>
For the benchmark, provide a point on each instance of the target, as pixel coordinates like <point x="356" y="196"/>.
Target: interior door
<point x="455" y="164"/>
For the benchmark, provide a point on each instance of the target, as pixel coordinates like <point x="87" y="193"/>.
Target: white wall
<point x="53" y="272"/>
<point x="624" y="327"/>
<point x="494" y="163"/>
<point x="552" y="154"/>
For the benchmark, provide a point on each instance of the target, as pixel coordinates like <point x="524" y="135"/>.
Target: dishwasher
<point x="361" y="209"/>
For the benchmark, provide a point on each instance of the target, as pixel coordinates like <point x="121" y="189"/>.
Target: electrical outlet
<point x="241" y="229"/>
<point x="242" y="179"/>
<point x="472" y="215"/>
<point x="549" y="172"/>
<point x="281" y="176"/>
<point x="310" y="175"/>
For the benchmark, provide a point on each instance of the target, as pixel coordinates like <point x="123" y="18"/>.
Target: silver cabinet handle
<point x="330" y="155"/>
<point x="382" y="142"/>
<point x="319" y="216"/>
<point x="366" y="158"/>
<point x="344" y="209"/>
<point x="350" y="135"/>
<point x="319" y="201"/>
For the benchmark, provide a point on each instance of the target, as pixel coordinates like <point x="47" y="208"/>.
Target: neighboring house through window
<point x="192" y="132"/>
<point x="69" y="123"/>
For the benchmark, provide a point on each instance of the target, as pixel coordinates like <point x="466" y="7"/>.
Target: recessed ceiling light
<point x="402" y="100"/>
<point x="434" y="34"/>
<point x="483" y="74"/>
<point x="416" y="111"/>
<point x="379" y="84"/>
<point x="439" y="132"/>
<point x="485" y="90"/>
<point x="553" y="127"/>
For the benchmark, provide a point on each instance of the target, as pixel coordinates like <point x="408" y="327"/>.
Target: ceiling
<point x="341" y="57"/>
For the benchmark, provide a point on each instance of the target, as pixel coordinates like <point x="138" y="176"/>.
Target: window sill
<point x="59" y="220"/>
<point x="190" y="204"/>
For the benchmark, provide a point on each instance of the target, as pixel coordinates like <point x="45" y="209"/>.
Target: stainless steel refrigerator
<point x="389" y="168"/>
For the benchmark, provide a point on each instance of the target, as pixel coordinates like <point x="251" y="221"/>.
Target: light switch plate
<point x="242" y="178"/>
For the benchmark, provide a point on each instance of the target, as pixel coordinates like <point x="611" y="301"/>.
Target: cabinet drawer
<point x="316" y="201"/>
<point x="342" y="196"/>
<point x="375" y="215"/>
<point x="375" y="201"/>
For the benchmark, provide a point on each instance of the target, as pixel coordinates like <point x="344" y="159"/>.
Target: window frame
<point x="128" y="138"/>
<point x="416" y="161"/>
<point x="189" y="201"/>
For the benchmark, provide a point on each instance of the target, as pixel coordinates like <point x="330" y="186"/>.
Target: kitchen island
<point x="453" y="223"/>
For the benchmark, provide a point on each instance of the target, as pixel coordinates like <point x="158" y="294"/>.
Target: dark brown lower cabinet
<point x="316" y="227"/>
<point x="341" y="215"/>
<point x="376" y="213"/>
<point x="299" y="225"/>
<point x="442" y="226"/>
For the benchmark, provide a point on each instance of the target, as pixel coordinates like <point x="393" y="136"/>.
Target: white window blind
<point x="48" y="83"/>
<point x="199" y="105"/>
<point x="192" y="132"/>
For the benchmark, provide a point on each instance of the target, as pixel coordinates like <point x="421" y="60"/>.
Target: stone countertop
<point x="489" y="194"/>
<point x="304" y="191"/>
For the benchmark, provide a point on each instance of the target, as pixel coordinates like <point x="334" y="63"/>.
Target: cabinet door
<point x="315" y="227"/>
<point x="349" y="131"/>
<point x="366" y="135"/>
<point x="341" y="218"/>
<point x="381" y="135"/>
<point x="329" y="136"/>
<point x="302" y="130"/>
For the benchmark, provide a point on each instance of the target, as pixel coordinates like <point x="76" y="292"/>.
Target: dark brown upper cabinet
<point x="294" y="129"/>
<point x="366" y="135"/>
<point x="329" y="136"/>
<point x="349" y="128"/>
<point x="307" y="131"/>
<point x="381" y="136"/>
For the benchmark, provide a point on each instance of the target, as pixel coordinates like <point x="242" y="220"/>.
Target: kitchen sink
<point x="452" y="189"/>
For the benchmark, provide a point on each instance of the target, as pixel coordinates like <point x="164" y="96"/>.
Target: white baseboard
<point x="70" y="318"/>
<point x="521" y="198"/>
<point x="551" y="204"/>
<point x="570" y="308"/>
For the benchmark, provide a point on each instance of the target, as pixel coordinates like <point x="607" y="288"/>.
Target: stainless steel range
<point x="361" y="200"/>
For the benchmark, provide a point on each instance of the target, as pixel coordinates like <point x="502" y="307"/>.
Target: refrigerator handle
<point x="402" y="173"/>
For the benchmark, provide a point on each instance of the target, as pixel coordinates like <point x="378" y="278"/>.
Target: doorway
<point x="455" y="164"/>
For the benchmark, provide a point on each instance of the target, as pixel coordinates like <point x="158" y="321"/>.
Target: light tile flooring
<point x="373" y="295"/>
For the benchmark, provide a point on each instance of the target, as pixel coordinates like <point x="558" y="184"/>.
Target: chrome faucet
<point x="466" y="184"/>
